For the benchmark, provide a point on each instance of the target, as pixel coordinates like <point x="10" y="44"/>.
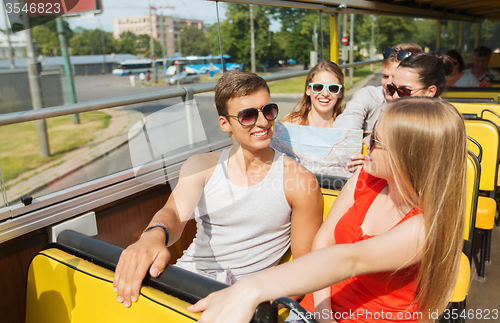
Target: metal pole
<point x="351" y="51"/>
<point x="163" y="49"/>
<point x="372" y="43"/>
<point x="252" y="46"/>
<point x="188" y="104"/>
<point x="67" y="67"/>
<point x="334" y="37"/>
<point x="438" y="34"/>
<point x="162" y="24"/>
<point x="7" y="33"/>
<point x="220" y="40"/>
<point x="34" y="83"/>
<point x="321" y="29"/>
<point x="103" y="70"/>
<point x="344" y="47"/>
<point x="152" y="45"/>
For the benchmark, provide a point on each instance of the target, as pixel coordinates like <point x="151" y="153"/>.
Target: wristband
<point x="159" y="225"/>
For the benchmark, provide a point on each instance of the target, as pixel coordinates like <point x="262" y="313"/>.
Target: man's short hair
<point x="411" y="47"/>
<point x="236" y="84"/>
<point x="482" y="51"/>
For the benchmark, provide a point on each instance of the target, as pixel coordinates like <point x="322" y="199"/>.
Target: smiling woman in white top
<point x="459" y="77"/>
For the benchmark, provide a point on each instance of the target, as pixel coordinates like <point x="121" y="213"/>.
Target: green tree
<point x="235" y="34"/>
<point x="394" y="30"/>
<point x="142" y="46"/>
<point x="194" y="42"/>
<point x="45" y="41"/>
<point x="92" y="42"/>
<point x="127" y="43"/>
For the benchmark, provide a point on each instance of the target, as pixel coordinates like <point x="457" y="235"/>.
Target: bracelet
<point x="159" y="225"/>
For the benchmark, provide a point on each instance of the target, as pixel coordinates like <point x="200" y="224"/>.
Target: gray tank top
<point x="245" y="229"/>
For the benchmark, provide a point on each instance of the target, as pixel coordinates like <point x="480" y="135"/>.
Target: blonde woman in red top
<point x="390" y="246"/>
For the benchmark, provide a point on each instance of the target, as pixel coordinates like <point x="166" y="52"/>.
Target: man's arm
<point x="304" y="196"/>
<point x="356" y="111"/>
<point x="150" y="252"/>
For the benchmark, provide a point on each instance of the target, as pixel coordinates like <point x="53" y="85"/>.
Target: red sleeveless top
<point x="376" y="297"/>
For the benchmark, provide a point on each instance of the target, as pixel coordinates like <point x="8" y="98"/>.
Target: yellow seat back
<point x="486" y="134"/>
<point x="64" y="288"/>
<point x="472" y="183"/>
<point x="491" y="93"/>
<point x="329" y="196"/>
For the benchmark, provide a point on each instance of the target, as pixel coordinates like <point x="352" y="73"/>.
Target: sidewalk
<point x="106" y="140"/>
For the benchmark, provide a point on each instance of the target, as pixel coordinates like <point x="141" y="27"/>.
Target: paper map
<point x="320" y="150"/>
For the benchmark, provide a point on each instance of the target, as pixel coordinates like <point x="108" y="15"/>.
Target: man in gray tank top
<point x="250" y="202"/>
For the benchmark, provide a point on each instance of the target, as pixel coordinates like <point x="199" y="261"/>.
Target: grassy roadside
<point x="20" y="151"/>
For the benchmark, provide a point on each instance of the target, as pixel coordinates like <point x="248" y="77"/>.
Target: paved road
<point x="91" y="88"/>
<point x="99" y="87"/>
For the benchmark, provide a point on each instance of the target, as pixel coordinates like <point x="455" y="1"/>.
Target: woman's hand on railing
<point x="235" y="304"/>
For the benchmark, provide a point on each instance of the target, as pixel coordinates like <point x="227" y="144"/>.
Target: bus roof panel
<point x="466" y="11"/>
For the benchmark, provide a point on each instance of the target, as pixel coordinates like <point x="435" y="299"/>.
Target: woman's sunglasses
<point x="402" y="91"/>
<point x="319" y="87"/>
<point x="401" y="54"/>
<point x="248" y="117"/>
<point x="374" y="142"/>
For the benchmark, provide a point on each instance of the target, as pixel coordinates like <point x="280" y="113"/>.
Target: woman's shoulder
<point x="467" y="79"/>
<point x="368" y="184"/>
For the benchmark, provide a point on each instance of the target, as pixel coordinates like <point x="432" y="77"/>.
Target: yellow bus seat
<point x="64" y="288"/>
<point x="71" y="281"/>
<point x="486" y="133"/>
<point x="489" y="111"/>
<point x="459" y="295"/>
<point x="486" y="94"/>
<point x="462" y="286"/>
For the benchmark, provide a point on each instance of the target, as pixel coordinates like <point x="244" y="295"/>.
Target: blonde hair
<point x="301" y="110"/>
<point x="427" y="149"/>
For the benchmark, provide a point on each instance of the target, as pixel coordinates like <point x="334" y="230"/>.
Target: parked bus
<point x="194" y="64"/>
<point x="136" y="66"/>
<point x="200" y="64"/>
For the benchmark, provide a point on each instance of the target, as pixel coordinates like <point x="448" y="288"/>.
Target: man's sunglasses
<point x="374" y="142"/>
<point x="319" y="87"/>
<point x="401" y="54"/>
<point x="248" y="117"/>
<point x="402" y="91"/>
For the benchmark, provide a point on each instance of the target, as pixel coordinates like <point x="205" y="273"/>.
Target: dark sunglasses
<point x="401" y="54"/>
<point x="319" y="87"/>
<point x="402" y="91"/>
<point x="374" y="142"/>
<point x="248" y="117"/>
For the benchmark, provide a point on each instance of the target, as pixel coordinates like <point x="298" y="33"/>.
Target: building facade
<point x="171" y="29"/>
<point x="17" y="43"/>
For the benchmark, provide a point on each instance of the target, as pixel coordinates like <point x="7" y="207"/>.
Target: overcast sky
<point x="188" y="9"/>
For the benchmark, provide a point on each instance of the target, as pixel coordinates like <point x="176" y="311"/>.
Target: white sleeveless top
<point x="245" y="229"/>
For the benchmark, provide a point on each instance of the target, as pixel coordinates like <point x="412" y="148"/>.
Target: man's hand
<point x="150" y="253"/>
